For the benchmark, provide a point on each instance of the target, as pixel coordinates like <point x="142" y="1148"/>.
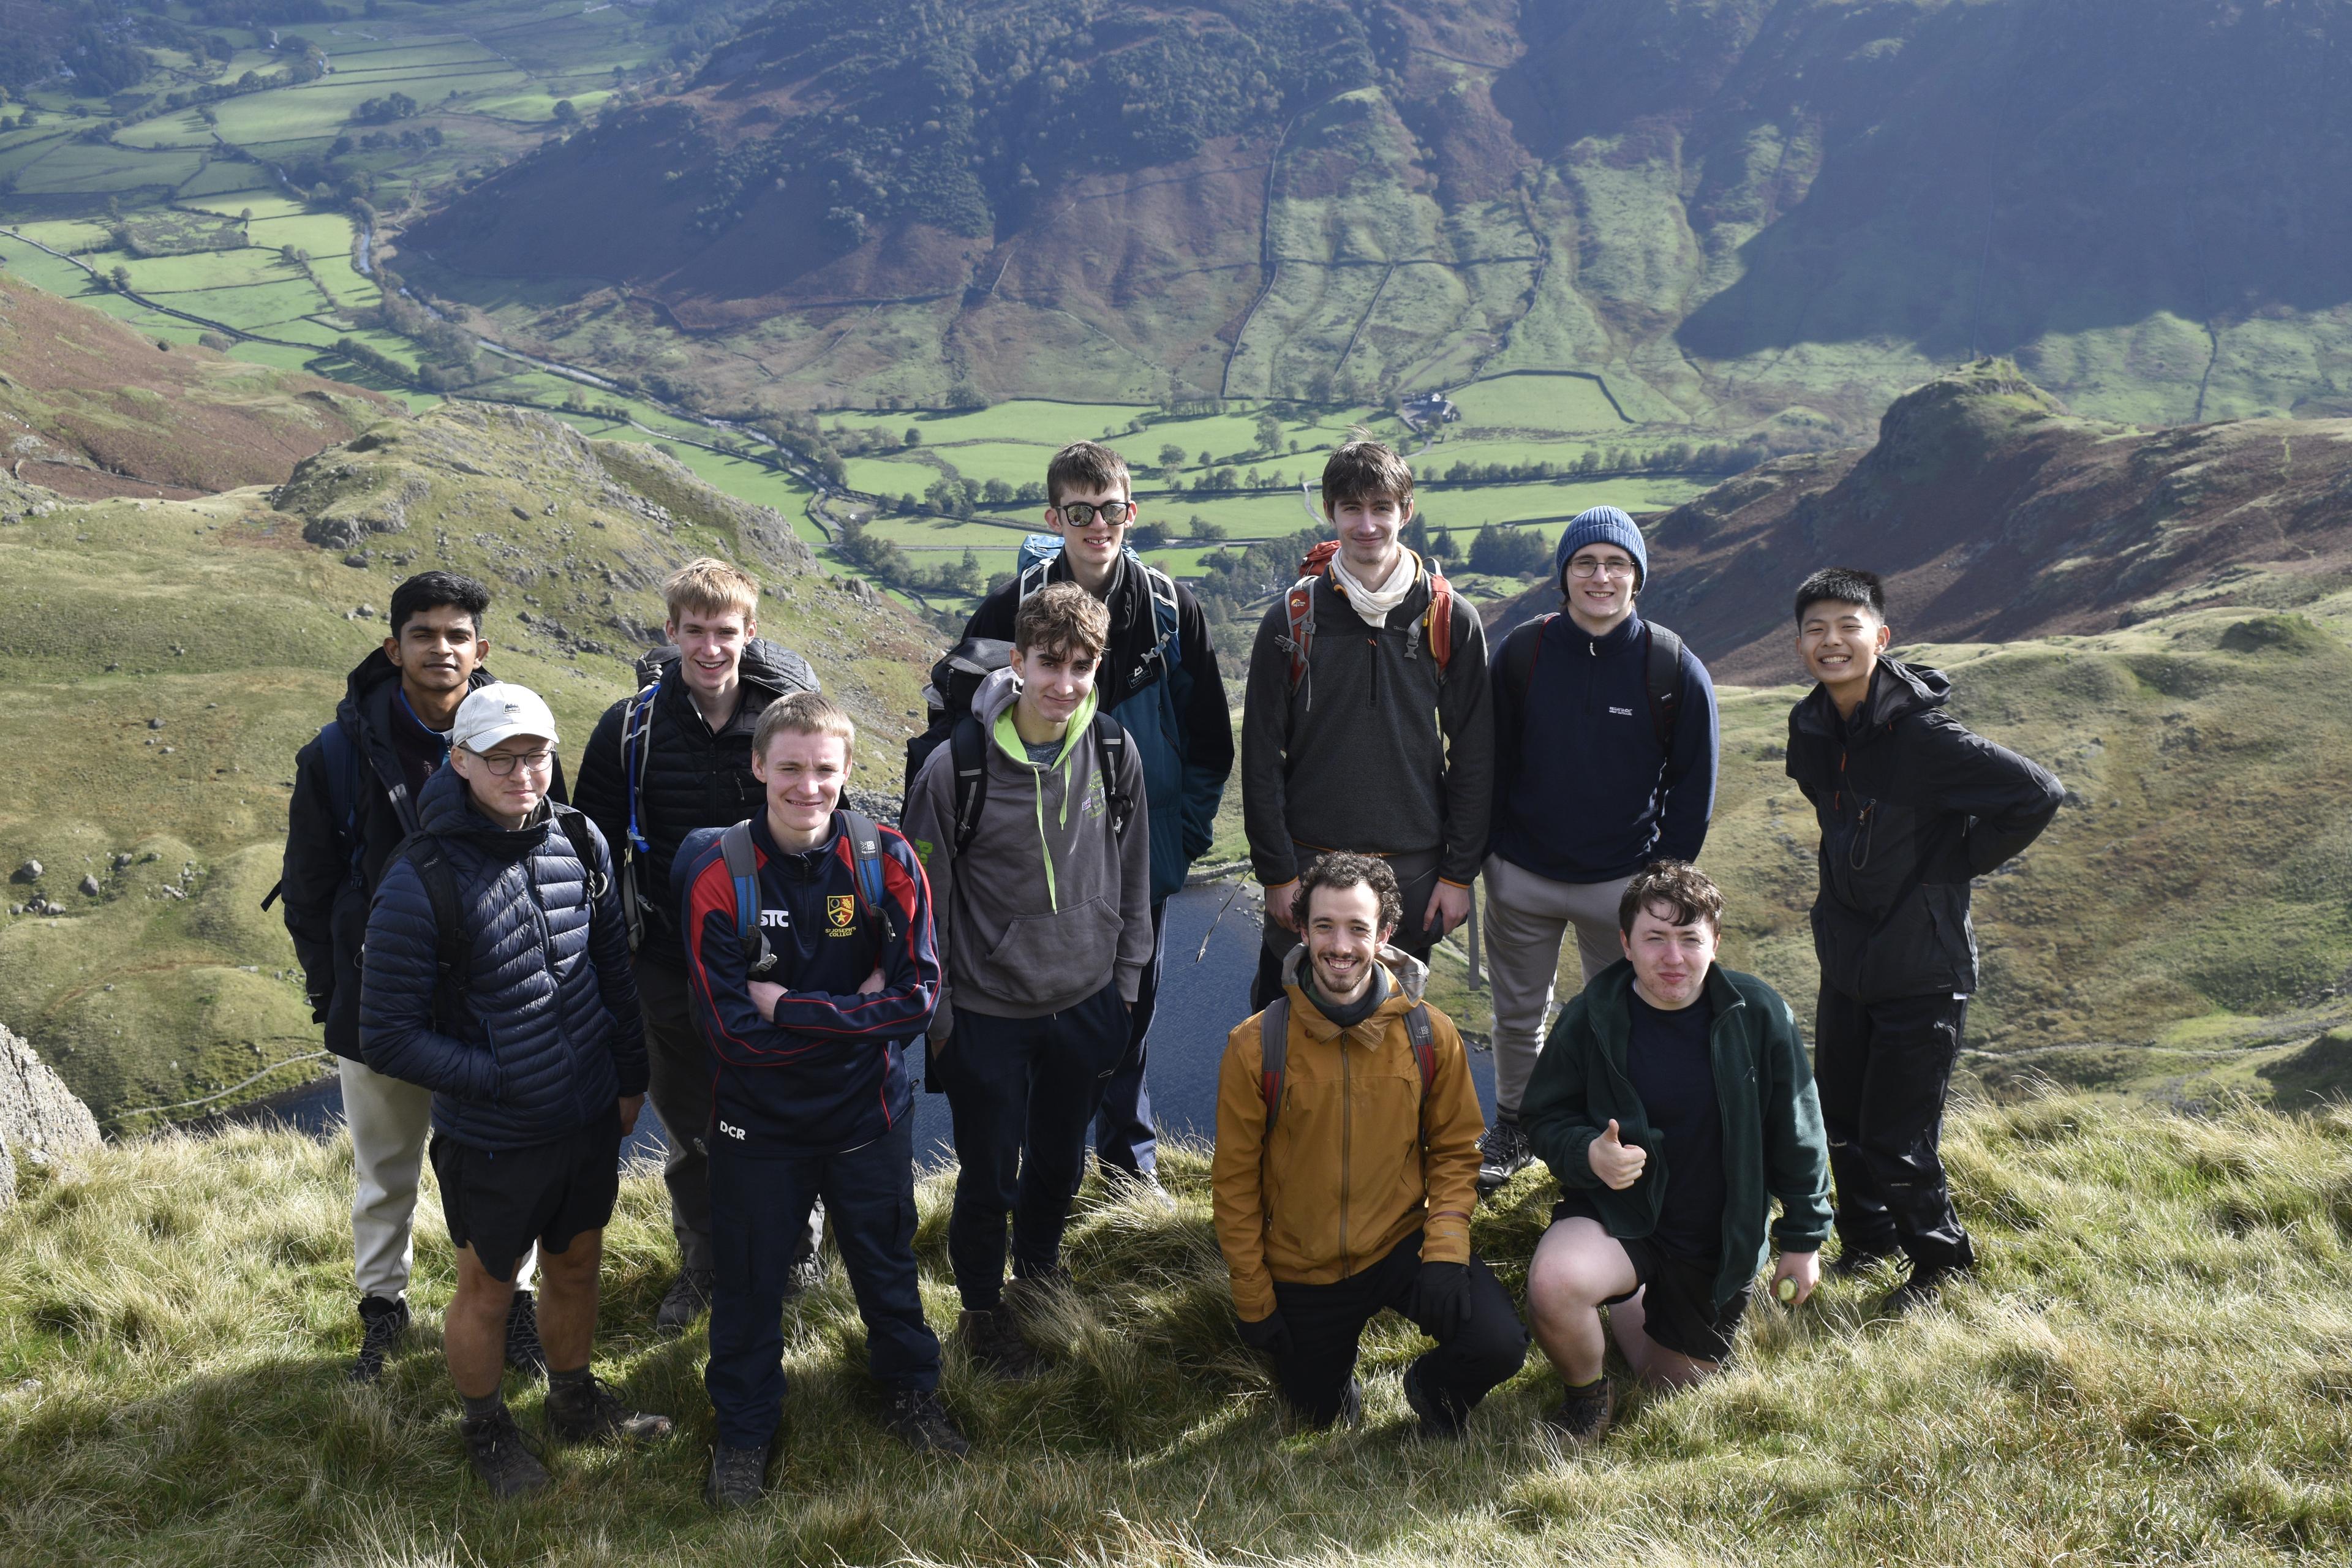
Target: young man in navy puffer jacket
<point x="536" y="1060"/>
<point x="807" y="1017"/>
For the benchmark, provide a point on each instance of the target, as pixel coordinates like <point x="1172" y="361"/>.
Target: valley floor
<point x="2156" y="1365"/>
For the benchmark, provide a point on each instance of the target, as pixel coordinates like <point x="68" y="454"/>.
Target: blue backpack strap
<point x="865" y="860"/>
<point x="637" y="741"/>
<point x="744" y="869"/>
<point x="1274" y="1055"/>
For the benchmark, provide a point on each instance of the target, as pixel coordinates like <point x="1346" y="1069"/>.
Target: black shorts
<point x="1678" y="1307"/>
<point x="500" y="1203"/>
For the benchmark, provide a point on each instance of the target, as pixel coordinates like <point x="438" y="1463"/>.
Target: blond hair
<point x="804" y="713"/>
<point x="712" y="587"/>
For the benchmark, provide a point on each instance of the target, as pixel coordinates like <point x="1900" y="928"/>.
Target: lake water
<point x="1199" y="1002"/>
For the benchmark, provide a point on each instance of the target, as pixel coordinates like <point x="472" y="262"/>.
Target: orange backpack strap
<point x="1438" y="619"/>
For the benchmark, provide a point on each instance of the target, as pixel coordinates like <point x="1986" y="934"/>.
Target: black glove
<point x="1268" y="1336"/>
<point x="1442" y="1299"/>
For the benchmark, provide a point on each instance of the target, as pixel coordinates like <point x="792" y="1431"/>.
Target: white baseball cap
<point x="498" y="711"/>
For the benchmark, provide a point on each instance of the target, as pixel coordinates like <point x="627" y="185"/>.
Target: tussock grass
<point x="2155" y="1365"/>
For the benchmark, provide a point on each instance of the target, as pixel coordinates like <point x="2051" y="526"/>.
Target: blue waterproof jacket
<point x="549" y="1036"/>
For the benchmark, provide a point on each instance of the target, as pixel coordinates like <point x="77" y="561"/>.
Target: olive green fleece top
<point x="1773" y="1145"/>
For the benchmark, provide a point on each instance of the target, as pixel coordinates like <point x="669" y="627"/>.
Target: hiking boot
<point x="382" y="1325"/>
<point x="499" y="1456"/>
<point x="1503" y="1153"/>
<point x="739" y="1478"/>
<point x="1924" y="1289"/>
<point x="524" y="1352"/>
<point x="1123" y="1185"/>
<point x="918" y="1419"/>
<point x="688" y="1299"/>
<point x="1437" y="1421"/>
<point x="1584" y="1417"/>
<point x="1853" y="1262"/>
<point x="994" y="1341"/>
<point x="590" y="1412"/>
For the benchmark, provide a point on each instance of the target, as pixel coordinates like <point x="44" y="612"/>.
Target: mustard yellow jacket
<point x="1359" y="1158"/>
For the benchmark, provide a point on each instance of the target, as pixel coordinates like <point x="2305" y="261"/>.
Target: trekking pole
<point x="1477" y="976"/>
<point x="1212" y="924"/>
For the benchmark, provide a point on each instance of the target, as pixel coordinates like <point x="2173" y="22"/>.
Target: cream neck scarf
<point x="1372" y="604"/>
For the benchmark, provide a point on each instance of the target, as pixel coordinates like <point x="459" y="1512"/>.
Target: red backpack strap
<point x="1298" y="606"/>
<point x="1274" y="1054"/>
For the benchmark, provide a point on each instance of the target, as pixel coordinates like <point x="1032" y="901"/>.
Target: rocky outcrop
<point x="41" y="1123"/>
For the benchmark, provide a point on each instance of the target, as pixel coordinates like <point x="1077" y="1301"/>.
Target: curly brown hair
<point x="1675" y="885"/>
<point x="1340" y="870"/>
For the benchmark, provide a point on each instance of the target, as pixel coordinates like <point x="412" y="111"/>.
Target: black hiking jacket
<point x="1911" y="806"/>
<point x="694" y="777"/>
<point x="349" y="811"/>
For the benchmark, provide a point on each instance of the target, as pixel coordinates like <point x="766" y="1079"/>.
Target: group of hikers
<point x="709" y="922"/>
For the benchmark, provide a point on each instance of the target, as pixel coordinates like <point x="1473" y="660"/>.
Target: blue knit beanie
<point x="1602" y="525"/>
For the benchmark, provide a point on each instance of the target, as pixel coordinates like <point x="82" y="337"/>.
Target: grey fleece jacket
<point x="1371" y="752"/>
<point x="1046" y="906"/>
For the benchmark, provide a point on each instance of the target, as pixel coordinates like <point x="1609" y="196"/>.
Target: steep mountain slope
<point x="1729" y="208"/>
<point x="165" y="659"/>
<point x="1997" y="516"/>
<point x="91" y="408"/>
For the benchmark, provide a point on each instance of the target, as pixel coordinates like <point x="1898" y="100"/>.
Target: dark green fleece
<point x="1773" y="1146"/>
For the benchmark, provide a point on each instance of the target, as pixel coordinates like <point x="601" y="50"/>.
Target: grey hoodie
<point x="1047" y="906"/>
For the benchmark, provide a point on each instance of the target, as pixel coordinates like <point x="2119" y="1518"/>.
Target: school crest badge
<point x="840" y="910"/>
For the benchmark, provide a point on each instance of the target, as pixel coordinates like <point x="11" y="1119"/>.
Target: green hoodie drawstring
<point x="1008" y="738"/>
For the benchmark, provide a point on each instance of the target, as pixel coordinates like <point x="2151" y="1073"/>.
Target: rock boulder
<point x="41" y="1122"/>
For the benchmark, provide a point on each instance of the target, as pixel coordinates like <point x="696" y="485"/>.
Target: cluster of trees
<point x="450" y="355"/>
<point x="1675" y="457"/>
<point x="959" y="114"/>
<point x="883" y="560"/>
<point x="385" y="109"/>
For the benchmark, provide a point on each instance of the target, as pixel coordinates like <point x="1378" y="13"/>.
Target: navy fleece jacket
<point x="1583" y="793"/>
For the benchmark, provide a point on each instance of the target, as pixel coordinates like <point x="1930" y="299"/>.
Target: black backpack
<point x="453" y="941"/>
<point x="1663" y="674"/>
<point x="955" y="682"/>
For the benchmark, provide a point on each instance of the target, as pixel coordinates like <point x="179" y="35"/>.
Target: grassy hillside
<point x="2153" y="1367"/>
<point x="166" y="659"/>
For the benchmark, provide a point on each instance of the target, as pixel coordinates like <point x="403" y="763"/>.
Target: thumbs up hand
<point x="1618" y="1164"/>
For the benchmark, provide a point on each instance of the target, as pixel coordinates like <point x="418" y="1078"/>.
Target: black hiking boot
<point x="505" y="1462"/>
<point x="588" y="1411"/>
<point x="688" y="1299"/>
<point x="382" y="1325"/>
<point x="1436" y="1420"/>
<point x="739" y="1478"/>
<point x="524" y="1352"/>
<point x="1582" y="1417"/>
<point x="994" y="1341"/>
<point x="918" y="1419"/>
<point x="1924" y="1289"/>
<point x="1503" y="1153"/>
